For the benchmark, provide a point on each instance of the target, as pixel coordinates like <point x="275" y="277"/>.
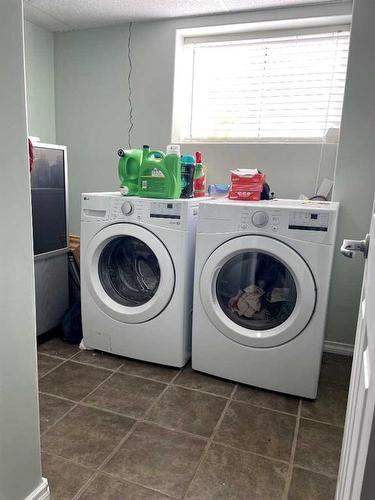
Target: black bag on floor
<point x="72" y="320"/>
<point x="72" y="324"/>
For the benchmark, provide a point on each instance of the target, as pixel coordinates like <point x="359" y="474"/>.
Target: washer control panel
<point x="260" y="218"/>
<point x="127" y="208"/>
<point x="123" y="208"/>
<point x="267" y="220"/>
<point x="309" y="221"/>
<point x="181" y="215"/>
<point x="165" y="210"/>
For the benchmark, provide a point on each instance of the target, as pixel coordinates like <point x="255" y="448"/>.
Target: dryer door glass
<point x="129" y="271"/>
<point x="256" y="290"/>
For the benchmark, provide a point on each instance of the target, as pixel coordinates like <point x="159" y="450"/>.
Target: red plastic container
<point x="245" y="195"/>
<point x="246" y="184"/>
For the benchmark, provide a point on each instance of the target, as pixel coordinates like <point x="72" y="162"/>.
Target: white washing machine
<point x="137" y="260"/>
<point x="262" y="275"/>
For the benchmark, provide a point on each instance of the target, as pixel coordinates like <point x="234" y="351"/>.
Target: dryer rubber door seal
<point x="239" y="326"/>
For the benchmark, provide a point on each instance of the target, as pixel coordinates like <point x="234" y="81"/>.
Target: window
<point x="270" y="87"/>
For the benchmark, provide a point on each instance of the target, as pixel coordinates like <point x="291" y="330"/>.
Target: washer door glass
<point x="129" y="271"/>
<point x="256" y="290"/>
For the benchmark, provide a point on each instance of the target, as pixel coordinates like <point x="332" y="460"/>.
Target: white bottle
<point x="173" y="149"/>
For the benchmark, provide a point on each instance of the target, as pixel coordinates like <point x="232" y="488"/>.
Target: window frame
<point x="183" y="87"/>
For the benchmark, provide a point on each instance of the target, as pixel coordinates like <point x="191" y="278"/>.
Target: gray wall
<point x="40" y="82"/>
<point x="91" y="69"/>
<point x="91" y="109"/>
<point x="92" y="120"/>
<point x="355" y="170"/>
<point x="20" y="470"/>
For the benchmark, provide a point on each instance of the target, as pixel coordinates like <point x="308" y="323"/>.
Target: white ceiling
<point x="64" y="15"/>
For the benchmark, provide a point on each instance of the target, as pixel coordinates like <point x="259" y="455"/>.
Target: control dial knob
<point x="127" y="208"/>
<point x="259" y="219"/>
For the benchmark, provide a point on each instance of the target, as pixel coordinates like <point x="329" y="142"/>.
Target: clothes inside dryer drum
<point x="129" y="271"/>
<point x="256" y="290"/>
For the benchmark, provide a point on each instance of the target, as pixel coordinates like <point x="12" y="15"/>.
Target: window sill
<point x="255" y="141"/>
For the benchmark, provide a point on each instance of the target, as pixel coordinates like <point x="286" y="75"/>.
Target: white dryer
<point x="137" y="259"/>
<point x="262" y="275"/>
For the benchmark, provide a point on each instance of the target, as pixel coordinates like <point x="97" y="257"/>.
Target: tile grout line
<point x="84" y="403"/>
<point x="322" y="422"/>
<point x="121" y="480"/>
<point x="57" y="355"/>
<point x="289" y="414"/>
<point x="308" y="469"/>
<point x="111" y="374"/>
<point x="70" y="460"/>
<point x="118" y="370"/>
<point x="96" y="471"/>
<point x="63" y="361"/>
<point x="293" y="452"/>
<point x="53" y="356"/>
<point x="171" y="383"/>
<point x="111" y="477"/>
<point x="86" y="485"/>
<point x="120" y="444"/>
<point x="76" y="403"/>
<point x="93" y="365"/>
<point x="131" y="481"/>
<point x="143" y="419"/>
<point x="124" y="415"/>
<point x="136" y="421"/>
<point x="58" y="420"/>
<point x="249" y="452"/>
<point x="211" y="439"/>
<point x="164" y="427"/>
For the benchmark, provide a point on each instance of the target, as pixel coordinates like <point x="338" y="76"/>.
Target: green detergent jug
<point x="160" y="175"/>
<point x="128" y="170"/>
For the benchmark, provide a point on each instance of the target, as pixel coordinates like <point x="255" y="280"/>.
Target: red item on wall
<point x="31" y="154"/>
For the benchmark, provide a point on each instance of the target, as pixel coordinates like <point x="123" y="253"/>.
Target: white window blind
<point x="276" y="88"/>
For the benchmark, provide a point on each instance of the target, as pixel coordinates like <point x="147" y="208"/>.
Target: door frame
<point x="356" y="477"/>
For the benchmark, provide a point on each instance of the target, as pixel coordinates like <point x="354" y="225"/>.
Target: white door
<point x="257" y="291"/>
<point x="356" y="473"/>
<point x="129" y="273"/>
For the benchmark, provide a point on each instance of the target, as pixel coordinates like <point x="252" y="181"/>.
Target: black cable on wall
<point x="131" y="123"/>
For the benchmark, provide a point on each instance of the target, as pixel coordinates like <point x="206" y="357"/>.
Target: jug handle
<point x="122" y="164"/>
<point x="155" y="152"/>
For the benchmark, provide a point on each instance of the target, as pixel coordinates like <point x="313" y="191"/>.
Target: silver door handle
<point x="348" y="247"/>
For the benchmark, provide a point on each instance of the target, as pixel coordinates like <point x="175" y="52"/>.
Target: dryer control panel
<point x="296" y="219"/>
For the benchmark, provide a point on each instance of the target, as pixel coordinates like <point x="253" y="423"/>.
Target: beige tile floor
<point x="116" y="429"/>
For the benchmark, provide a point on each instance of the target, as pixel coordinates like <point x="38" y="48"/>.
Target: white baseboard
<point x="41" y="492"/>
<point x="338" y="348"/>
